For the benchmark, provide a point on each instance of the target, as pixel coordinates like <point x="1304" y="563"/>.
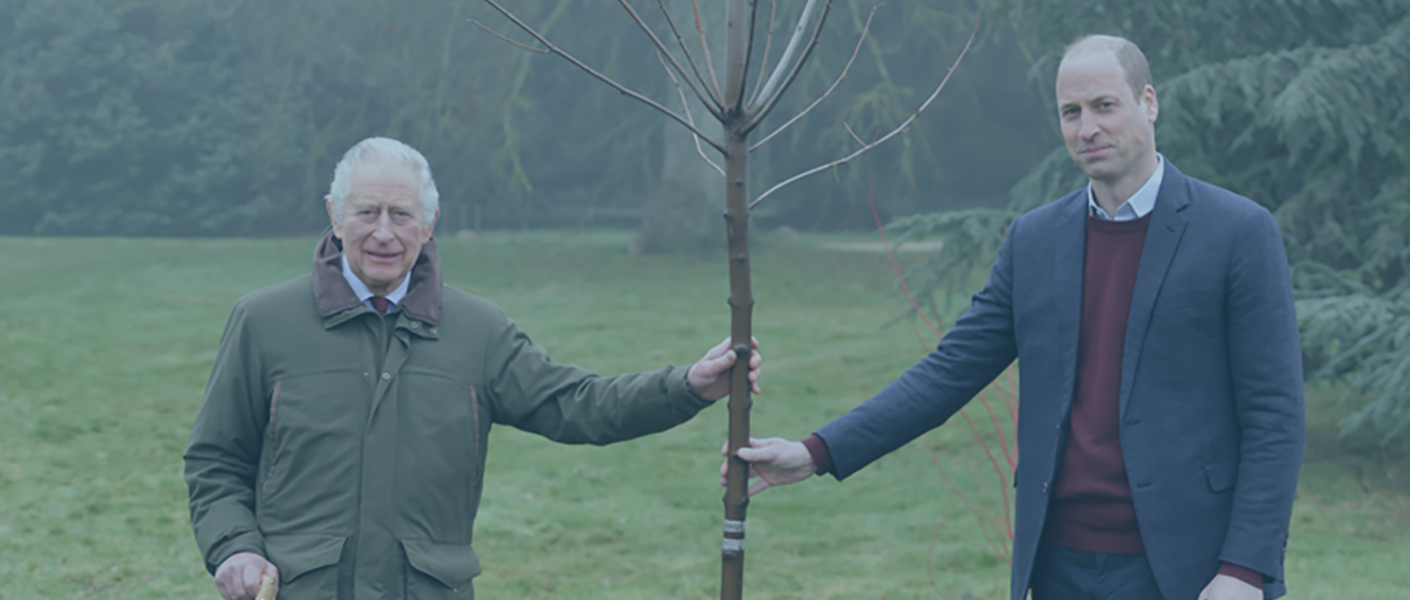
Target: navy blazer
<point x="1211" y="381"/>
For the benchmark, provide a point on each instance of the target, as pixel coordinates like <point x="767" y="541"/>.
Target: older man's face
<point x="381" y="225"/>
<point x="1109" y="130"/>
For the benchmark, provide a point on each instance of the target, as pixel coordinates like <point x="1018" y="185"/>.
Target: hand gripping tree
<point x="739" y="113"/>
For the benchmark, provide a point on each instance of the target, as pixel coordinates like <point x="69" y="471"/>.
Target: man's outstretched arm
<point x="968" y="358"/>
<point x="526" y="389"/>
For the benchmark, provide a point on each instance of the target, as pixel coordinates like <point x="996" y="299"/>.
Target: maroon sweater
<point x="1091" y="506"/>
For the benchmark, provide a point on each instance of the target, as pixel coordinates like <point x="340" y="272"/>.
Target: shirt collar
<point x="364" y="295"/>
<point x="1139" y="204"/>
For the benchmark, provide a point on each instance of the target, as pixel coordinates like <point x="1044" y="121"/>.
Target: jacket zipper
<point x="270" y="432"/>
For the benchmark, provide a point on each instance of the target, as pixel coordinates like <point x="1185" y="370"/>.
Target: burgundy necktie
<point x="380" y="304"/>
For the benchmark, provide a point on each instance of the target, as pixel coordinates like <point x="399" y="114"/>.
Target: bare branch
<point x="853" y="133"/>
<point x="762" y="95"/>
<point x="878" y="141"/>
<point x="824" y="95"/>
<point x="763" y="64"/>
<point x="603" y="78"/>
<point x="497" y="34"/>
<point x="711" y="103"/>
<point x="770" y="101"/>
<point x="688" y="59"/>
<point x="688" y="116"/>
<point x="748" y="54"/>
<point x="705" y="47"/>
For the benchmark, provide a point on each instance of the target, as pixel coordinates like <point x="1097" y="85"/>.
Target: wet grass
<point x="107" y="345"/>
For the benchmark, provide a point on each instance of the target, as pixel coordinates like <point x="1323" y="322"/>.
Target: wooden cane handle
<point x="266" y="587"/>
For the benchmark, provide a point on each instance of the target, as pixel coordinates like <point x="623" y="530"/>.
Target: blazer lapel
<point x="1070" y="254"/>
<point x="1163" y="236"/>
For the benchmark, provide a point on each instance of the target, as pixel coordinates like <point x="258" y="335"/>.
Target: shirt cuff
<point x="817" y="448"/>
<point x="1248" y="576"/>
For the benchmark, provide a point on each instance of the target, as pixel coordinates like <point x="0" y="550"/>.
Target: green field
<point x="108" y="342"/>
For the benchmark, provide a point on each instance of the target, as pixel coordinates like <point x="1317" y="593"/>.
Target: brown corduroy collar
<point x="333" y="295"/>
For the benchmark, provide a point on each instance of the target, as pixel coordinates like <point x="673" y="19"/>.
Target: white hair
<point x="389" y="151"/>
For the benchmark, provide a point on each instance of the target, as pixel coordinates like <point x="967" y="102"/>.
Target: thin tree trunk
<point x="741" y="298"/>
<point x="741" y="301"/>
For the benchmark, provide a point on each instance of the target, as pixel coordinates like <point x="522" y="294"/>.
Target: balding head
<point x="1107" y="110"/>
<point x="1128" y="55"/>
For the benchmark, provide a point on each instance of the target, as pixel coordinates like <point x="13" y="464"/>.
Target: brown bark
<point x="741" y="298"/>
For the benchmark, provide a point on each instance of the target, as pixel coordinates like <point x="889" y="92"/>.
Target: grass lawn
<point x="108" y="342"/>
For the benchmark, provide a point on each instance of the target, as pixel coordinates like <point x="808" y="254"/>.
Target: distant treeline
<point x="225" y="117"/>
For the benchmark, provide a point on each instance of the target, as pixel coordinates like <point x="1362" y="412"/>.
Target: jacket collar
<point x="333" y="295"/>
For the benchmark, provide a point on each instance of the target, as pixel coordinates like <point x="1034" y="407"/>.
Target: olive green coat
<point x="348" y="448"/>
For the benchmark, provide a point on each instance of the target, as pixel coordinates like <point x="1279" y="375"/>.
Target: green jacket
<point x="348" y="448"/>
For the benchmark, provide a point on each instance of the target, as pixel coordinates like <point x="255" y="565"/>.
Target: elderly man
<point x="341" y="442"/>
<point x="1160" y="429"/>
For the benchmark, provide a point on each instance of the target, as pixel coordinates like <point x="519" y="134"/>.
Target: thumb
<point x="752" y="454"/>
<point x="722" y="362"/>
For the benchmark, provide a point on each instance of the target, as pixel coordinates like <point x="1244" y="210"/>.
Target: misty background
<point x="194" y="118"/>
<point x="225" y="118"/>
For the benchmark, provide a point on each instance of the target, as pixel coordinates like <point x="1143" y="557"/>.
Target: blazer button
<point x="386" y="376"/>
<point x="1045" y="487"/>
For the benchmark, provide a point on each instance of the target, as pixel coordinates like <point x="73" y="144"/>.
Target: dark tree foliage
<point x="203" y="117"/>
<point x="167" y="117"/>
<point x="224" y="117"/>
<point x="1297" y="104"/>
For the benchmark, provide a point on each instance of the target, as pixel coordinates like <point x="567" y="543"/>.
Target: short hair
<point x="1128" y="55"/>
<point x="389" y="150"/>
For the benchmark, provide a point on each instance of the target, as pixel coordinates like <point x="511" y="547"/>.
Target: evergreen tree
<point x="1297" y="104"/>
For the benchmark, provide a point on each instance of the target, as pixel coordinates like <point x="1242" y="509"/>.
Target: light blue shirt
<point x="365" y="295"/>
<point x="1138" y="205"/>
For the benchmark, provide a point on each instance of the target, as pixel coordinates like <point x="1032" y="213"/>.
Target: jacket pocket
<point x="1222" y="475"/>
<point x="307" y="564"/>
<point x="440" y="571"/>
